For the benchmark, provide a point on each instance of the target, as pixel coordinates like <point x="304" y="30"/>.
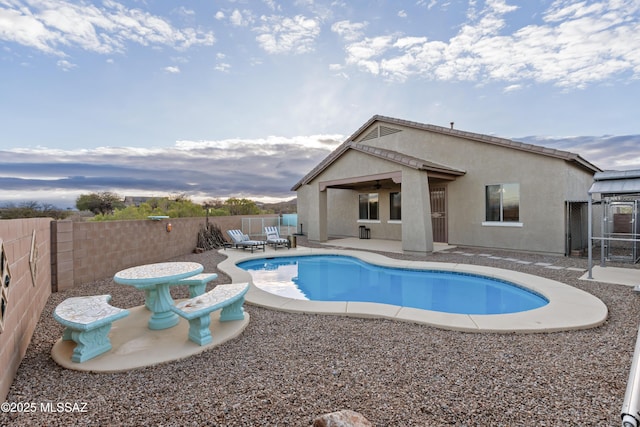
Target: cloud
<point x="260" y="169"/>
<point x="606" y="152"/>
<point x="65" y="65"/>
<point x="512" y="88"/>
<point x="172" y="69"/>
<point x="349" y="31"/>
<point x="295" y="35"/>
<point x="52" y="26"/>
<point x="223" y="67"/>
<point x="253" y="168"/>
<point x="575" y="45"/>
<point x="241" y="19"/>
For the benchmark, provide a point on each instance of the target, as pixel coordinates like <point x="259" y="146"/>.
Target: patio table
<point x="155" y="280"/>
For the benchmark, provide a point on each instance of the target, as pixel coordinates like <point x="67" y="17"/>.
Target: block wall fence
<point x="67" y="253"/>
<point x="26" y="243"/>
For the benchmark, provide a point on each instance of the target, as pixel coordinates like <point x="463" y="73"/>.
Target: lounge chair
<point x="241" y="240"/>
<point x="273" y="238"/>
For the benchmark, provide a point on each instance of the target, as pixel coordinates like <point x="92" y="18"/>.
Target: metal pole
<point x="590" y="235"/>
<point x="630" y="412"/>
<point x="605" y="221"/>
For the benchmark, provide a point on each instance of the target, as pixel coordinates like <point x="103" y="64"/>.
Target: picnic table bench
<point x="197" y="310"/>
<point x="198" y="283"/>
<point x="87" y="322"/>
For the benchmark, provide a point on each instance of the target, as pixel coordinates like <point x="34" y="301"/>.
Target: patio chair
<point x="273" y="238"/>
<point x="241" y="240"/>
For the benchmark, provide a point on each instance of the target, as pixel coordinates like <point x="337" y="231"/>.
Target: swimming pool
<point x="344" y="278"/>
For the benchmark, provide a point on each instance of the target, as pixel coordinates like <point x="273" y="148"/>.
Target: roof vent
<point x="451" y="123"/>
<point x="371" y="135"/>
<point x="384" y="130"/>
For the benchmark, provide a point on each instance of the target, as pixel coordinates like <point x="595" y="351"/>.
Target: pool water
<point x="343" y="278"/>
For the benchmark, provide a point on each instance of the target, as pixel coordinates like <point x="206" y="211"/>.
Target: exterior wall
<point x="343" y="215"/>
<point x="88" y="251"/>
<point x="546" y="183"/>
<point x="26" y="297"/>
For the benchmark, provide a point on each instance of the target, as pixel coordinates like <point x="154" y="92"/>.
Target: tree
<point x="242" y="207"/>
<point x="99" y="203"/>
<point x="180" y="208"/>
<point x="32" y="210"/>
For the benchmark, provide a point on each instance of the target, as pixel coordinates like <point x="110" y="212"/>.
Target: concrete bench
<point x="87" y="321"/>
<point x="197" y="285"/>
<point x="197" y="310"/>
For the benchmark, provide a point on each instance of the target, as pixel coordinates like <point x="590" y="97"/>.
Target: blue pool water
<point x="342" y="278"/>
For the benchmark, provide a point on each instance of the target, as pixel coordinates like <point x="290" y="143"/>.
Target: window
<point x="395" y="206"/>
<point x="368" y="206"/>
<point x="502" y="203"/>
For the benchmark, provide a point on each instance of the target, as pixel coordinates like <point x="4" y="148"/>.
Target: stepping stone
<point x="554" y="267"/>
<point x="544" y="264"/>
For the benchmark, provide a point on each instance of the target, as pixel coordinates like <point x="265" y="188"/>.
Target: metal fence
<point x="254" y="227"/>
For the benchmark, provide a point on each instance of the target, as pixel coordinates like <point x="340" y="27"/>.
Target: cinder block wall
<point x="89" y="251"/>
<point x="26" y="294"/>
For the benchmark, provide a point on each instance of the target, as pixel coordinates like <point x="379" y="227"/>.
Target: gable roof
<point x="425" y="164"/>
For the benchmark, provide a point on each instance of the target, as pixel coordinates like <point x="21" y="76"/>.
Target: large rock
<point x="345" y="418"/>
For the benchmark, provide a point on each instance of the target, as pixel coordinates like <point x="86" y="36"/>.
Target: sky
<point x="241" y="98"/>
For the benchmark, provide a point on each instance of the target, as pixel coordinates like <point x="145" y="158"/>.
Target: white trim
<point x="369" y="221"/>
<point x="394" y="221"/>
<point x="501" y="224"/>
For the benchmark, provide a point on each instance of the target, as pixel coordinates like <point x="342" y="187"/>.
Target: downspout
<point x="630" y="413"/>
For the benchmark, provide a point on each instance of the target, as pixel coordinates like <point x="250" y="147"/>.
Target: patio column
<point x="317" y="221"/>
<point x="417" y="232"/>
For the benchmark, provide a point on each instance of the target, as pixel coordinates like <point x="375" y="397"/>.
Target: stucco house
<point x="420" y="184"/>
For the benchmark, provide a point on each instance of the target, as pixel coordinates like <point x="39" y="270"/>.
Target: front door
<point x="438" y="197"/>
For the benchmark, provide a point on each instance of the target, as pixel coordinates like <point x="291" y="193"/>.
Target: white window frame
<point x="501" y="222"/>
<point x="368" y="219"/>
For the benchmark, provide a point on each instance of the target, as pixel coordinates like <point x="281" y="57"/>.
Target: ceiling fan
<point x="376" y="186"/>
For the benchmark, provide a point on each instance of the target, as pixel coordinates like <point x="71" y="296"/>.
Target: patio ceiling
<point x="369" y="182"/>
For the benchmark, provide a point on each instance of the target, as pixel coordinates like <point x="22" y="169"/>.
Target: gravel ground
<point x="286" y="369"/>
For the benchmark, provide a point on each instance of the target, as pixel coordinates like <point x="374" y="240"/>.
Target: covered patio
<point x="417" y="180"/>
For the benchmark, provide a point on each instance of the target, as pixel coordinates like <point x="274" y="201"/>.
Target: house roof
<point x="616" y="182"/>
<point x="403" y="159"/>
<point x="425" y="164"/>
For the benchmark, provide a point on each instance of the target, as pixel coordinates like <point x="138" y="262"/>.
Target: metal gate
<point x="438" y="196"/>
<point x="621" y="230"/>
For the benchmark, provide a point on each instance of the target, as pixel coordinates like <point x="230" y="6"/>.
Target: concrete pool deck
<point x="569" y="308"/>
